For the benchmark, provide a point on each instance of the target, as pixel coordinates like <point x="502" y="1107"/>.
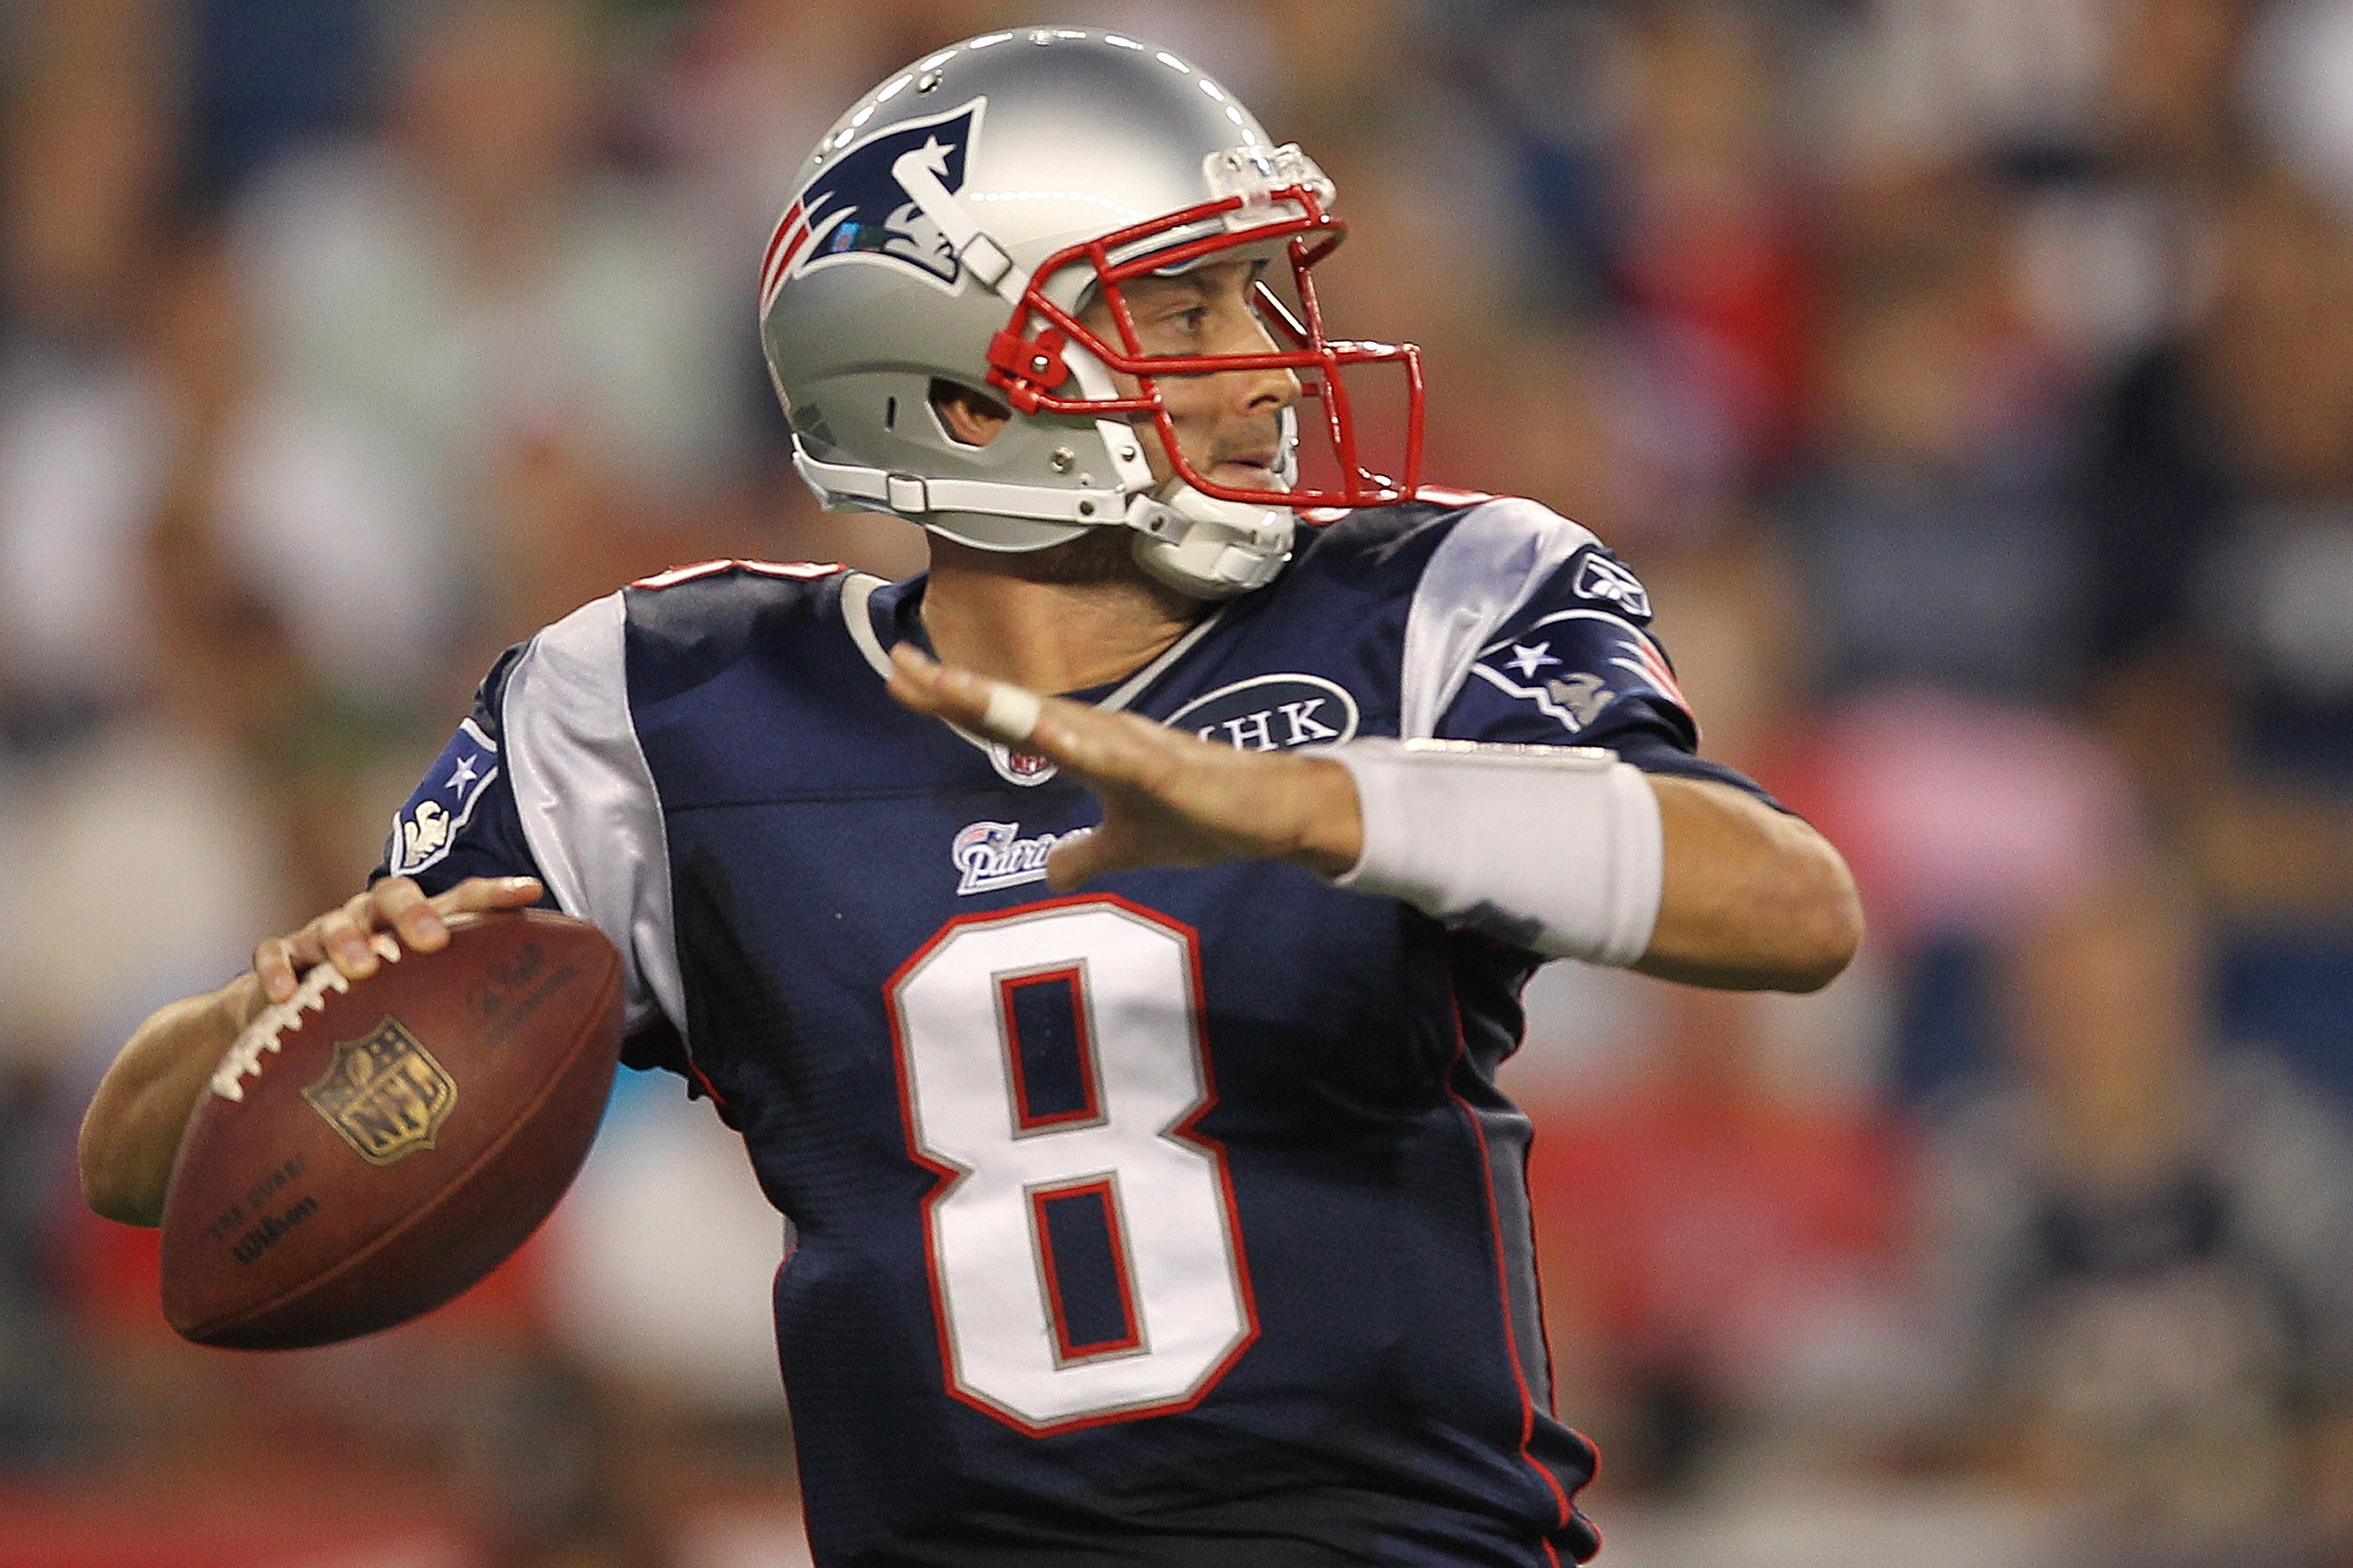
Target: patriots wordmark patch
<point x="424" y="830"/>
<point x="1600" y="577"/>
<point x="857" y="209"/>
<point x="990" y="855"/>
<point x="1272" y="713"/>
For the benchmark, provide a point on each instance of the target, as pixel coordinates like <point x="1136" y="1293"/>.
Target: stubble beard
<point x="1104" y="554"/>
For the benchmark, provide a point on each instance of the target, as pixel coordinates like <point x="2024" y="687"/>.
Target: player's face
<point x="1228" y="423"/>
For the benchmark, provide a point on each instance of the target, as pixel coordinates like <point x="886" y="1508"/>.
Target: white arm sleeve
<point x="1557" y="849"/>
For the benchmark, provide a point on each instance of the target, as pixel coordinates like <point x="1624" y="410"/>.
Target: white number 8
<point x="1160" y="1190"/>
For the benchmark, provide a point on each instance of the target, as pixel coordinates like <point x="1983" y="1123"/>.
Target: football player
<point x="1123" y="1058"/>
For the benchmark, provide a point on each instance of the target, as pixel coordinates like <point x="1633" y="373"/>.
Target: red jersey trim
<point x="1503" y="1282"/>
<point x="802" y="570"/>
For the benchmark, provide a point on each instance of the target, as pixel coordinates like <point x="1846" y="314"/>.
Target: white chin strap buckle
<point x="1210" y="549"/>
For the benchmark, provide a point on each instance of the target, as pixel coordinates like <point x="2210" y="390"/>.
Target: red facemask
<point x="1029" y="365"/>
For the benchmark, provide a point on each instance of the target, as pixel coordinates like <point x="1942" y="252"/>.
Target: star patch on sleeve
<point x="426" y="829"/>
<point x="1527" y="658"/>
<point x="1573" y="664"/>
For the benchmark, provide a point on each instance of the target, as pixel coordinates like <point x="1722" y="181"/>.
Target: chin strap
<point x="1208" y="548"/>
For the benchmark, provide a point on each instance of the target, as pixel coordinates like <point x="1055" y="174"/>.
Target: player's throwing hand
<point x="397" y="904"/>
<point x="1168" y="798"/>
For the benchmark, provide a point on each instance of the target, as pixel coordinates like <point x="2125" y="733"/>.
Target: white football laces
<point x="280" y="1018"/>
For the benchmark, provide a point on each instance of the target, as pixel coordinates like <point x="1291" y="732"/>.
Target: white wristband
<point x="1557" y="849"/>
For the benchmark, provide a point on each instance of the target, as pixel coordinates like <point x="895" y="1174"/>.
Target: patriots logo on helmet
<point x="855" y="209"/>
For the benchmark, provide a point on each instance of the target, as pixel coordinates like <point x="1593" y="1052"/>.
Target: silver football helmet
<point x="953" y="225"/>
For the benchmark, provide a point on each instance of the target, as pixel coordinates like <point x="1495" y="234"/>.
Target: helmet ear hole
<point x="968" y="416"/>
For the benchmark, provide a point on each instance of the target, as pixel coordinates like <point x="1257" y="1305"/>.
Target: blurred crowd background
<point x="1971" y="380"/>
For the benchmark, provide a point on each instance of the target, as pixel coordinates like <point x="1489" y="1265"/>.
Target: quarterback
<point x="1122" y="1058"/>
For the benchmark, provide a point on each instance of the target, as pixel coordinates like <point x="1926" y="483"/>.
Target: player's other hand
<point x="398" y="905"/>
<point x="1168" y="798"/>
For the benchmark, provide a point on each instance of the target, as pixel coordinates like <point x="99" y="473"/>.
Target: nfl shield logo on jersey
<point x="1026" y="768"/>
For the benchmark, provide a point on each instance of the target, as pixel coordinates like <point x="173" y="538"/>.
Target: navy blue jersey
<point x="1175" y="1221"/>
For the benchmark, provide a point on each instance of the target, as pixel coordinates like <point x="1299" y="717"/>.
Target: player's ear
<point x="968" y="416"/>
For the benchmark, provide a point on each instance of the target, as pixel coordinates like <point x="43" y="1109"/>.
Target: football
<point x="369" y="1148"/>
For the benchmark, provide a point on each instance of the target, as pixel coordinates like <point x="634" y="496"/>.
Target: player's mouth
<point x="1252" y="469"/>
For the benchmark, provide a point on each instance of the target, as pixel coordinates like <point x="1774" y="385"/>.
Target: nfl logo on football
<point x="384" y="1094"/>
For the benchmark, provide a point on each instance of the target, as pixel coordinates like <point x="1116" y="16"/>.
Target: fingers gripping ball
<point x="370" y="1149"/>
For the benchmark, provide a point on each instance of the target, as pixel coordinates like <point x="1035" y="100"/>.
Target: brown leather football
<point x="371" y="1147"/>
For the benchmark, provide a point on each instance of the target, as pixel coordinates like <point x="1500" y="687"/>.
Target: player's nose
<point x="1268" y="390"/>
<point x="1271" y="391"/>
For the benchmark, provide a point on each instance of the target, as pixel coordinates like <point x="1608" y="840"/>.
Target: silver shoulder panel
<point x="587" y="800"/>
<point x="1478" y="578"/>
